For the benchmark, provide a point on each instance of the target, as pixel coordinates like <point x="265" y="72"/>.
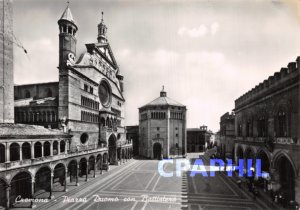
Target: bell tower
<point x="67" y="39"/>
<point x="102" y="29"/>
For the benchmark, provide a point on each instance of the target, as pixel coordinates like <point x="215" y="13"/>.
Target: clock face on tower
<point x="104" y="94"/>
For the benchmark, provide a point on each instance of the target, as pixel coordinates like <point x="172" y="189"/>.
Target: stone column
<point x="101" y="164"/>
<point x="65" y="181"/>
<point x="297" y="189"/>
<point x="20" y="153"/>
<point x="32" y="192"/>
<point x="66" y="147"/>
<point x="32" y="150"/>
<point x="86" y="171"/>
<point x="42" y="143"/>
<point x="58" y="148"/>
<point x="95" y="167"/>
<point x="7" y="196"/>
<point x="51" y="185"/>
<point x="7" y="153"/>
<point x="51" y="148"/>
<point x="77" y="172"/>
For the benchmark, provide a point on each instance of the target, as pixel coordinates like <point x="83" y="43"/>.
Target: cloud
<point x="193" y="32"/>
<point x="214" y="28"/>
<point x="200" y="31"/>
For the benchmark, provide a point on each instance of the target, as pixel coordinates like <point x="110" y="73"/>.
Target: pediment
<point x="104" y="51"/>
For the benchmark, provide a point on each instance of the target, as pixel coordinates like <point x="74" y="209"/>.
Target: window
<point x="27" y="94"/>
<point x="176" y="134"/>
<point x="240" y="130"/>
<point x="84" y="137"/>
<point x="176" y="128"/>
<point x="86" y="87"/>
<point x="105" y="93"/>
<point x="157" y="128"/>
<point x="262" y="126"/>
<point x="249" y="129"/>
<point x="91" y="90"/>
<point x="157" y="135"/>
<point x="49" y="92"/>
<point x="282" y="124"/>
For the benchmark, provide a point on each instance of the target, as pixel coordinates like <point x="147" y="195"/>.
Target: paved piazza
<point x="129" y="185"/>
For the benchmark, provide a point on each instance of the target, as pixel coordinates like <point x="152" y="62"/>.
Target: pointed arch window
<point x="262" y="126"/>
<point x="282" y="125"/>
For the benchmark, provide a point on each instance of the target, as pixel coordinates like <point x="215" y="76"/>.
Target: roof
<point x="193" y="129"/>
<point x="162" y="101"/>
<point x="31" y="101"/>
<point x="12" y="130"/>
<point x="67" y="15"/>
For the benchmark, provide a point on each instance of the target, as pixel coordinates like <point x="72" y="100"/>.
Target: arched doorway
<point x="72" y="170"/>
<point x="2" y="153"/>
<point x="82" y="167"/>
<point x="55" y="148"/>
<point x="3" y="186"/>
<point x="249" y="156"/>
<point x="99" y="162"/>
<point x="265" y="162"/>
<point x="59" y="176"/>
<point x="112" y="149"/>
<point x="157" y="150"/>
<point x="286" y="179"/>
<point x="47" y="149"/>
<point x="239" y="154"/>
<point x="20" y="186"/>
<point x="37" y="150"/>
<point x="14" y="152"/>
<point x="62" y="146"/>
<point x="92" y="164"/>
<point x="42" y="181"/>
<point x="26" y="151"/>
<point x="265" y="168"/>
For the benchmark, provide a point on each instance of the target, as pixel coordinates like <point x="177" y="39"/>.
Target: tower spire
<point x="102" y="29"/>
<point x="163" y="93"/>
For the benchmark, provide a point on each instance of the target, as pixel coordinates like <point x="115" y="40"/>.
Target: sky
<point x="206" y="53"/>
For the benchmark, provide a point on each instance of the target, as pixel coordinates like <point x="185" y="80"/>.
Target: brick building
<point x="267" y="126"/>
<point x="197" y="139"/>
<point x="227" y="135"/>
<point x="37" y="104"/>
<point x="35" y="161"/>
<point x="162" y="128"/>
<point x="87" y="101"/>
<point x="132" y="134"/>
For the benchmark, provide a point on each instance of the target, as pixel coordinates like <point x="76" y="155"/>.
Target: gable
<point x="104" y="51"/>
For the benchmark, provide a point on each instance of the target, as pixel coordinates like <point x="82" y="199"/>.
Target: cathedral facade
<point x="86" y="105"/>
<point x="162" y="128"/>
<point x="87" y="101"/>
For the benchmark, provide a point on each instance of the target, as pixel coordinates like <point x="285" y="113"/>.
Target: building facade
<point x="227" y="135"/>
<point x="37" y="104"/>
<point x="34" y="160"/>
<point x="87" y="101"/>
<point x="162" y="128"/>
<point x="132" y="134"/>
<point x="267" y="126"/>
<point x="197" y="139"/>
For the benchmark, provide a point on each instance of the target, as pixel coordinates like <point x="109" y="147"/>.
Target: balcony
<point x="74" y="151"/>
<point x="284" y="140"/>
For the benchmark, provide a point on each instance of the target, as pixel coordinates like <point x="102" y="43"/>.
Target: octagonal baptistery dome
<point x="162" y="128"/>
